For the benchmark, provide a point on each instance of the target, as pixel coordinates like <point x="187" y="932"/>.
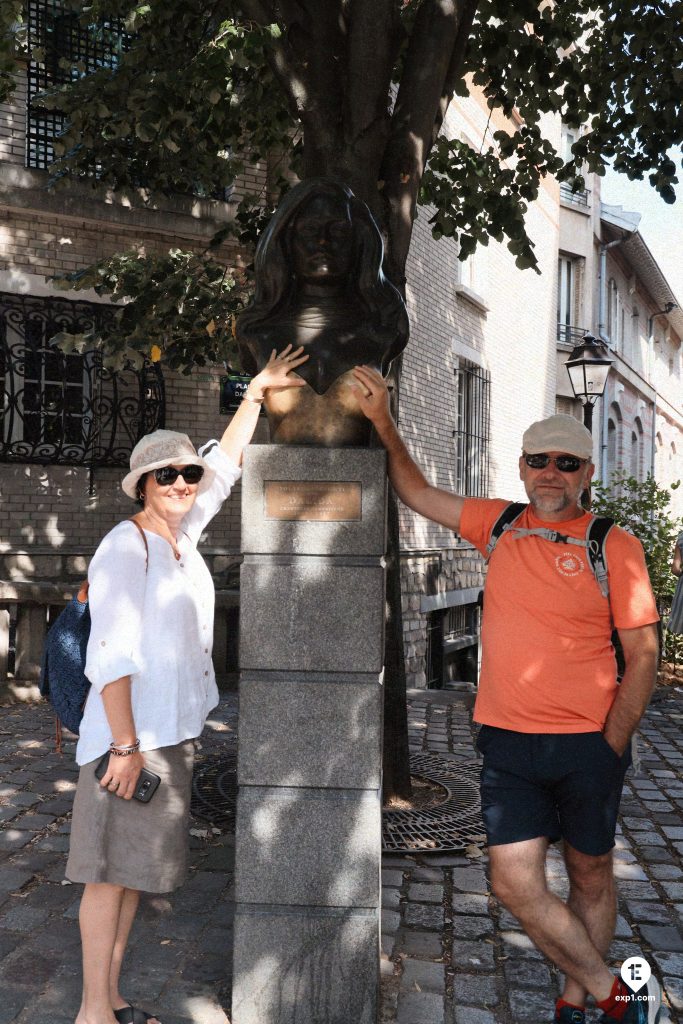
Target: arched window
<point x="638" y="451"/>
<point x="614" y="440"/>
<point x="611" y="446"/>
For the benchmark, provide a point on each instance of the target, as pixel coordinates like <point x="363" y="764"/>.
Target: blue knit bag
<point x="62" y="673"/>
<point x="62" y="678"/>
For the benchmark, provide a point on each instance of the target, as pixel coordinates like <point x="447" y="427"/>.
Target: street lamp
<point x="588" y="366"/>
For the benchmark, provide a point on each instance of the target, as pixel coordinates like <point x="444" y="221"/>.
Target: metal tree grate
<point x="214" y="789"/>
<point x="452" y="824"/>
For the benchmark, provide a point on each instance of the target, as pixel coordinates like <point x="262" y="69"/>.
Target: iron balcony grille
<point x="472" y="434"/>
<point x="68" y="409"/>
<point x="571" y="335"/>
<point x="579" y="198"/>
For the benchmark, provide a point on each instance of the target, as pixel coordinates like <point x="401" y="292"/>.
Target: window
<point x="569" y="407"/>
<point x="611" y="445"/>
<point x="62" y="408"/>
<point x="452" y="654"/>
<point x="565" y="299"/>
<point x="637" y="454"/>
<point x="65" y="39"/>
<point x="613" y="315"/>
<point x="569" y="137"/>
<point x="569" y="289"/>
<point x="472" y="434"/>
<point x="614" y="440"/>
<point x="54" y="389"/>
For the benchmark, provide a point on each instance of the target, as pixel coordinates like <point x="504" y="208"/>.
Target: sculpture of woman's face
<point x="322" y="241"/>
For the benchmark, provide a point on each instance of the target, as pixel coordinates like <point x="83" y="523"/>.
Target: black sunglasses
<point x="169" y="474"/>
<point x="565" y="463"/>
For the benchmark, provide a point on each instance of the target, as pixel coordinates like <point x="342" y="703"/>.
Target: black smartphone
<point x="148" y="783"/>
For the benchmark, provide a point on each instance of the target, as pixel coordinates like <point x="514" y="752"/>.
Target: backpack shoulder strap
<point x="505" y="520"/>
<point x="596" y="536"/>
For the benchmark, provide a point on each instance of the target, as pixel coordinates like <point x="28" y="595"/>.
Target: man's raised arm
<point x="406" y="477"/>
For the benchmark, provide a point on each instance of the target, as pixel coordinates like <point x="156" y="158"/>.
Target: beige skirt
<point x="125" y="842"/>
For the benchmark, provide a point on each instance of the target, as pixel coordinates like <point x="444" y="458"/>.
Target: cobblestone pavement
<point x="451" y="955"/>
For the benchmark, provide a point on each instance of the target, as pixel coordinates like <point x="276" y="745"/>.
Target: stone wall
<point x="425" y="574"/>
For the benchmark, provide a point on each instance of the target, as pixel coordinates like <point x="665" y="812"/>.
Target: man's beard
<point x="551" y="502"/>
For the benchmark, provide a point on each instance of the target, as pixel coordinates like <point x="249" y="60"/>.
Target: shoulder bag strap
<point x="144" y="541"/>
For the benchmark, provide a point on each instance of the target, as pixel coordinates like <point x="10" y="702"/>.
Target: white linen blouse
<point x="155" y="626"/>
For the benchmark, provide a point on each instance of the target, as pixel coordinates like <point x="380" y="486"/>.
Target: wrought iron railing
<point x="68" y="409"/>
<point x="580" y="198"/>
<point x="571" y="335"/>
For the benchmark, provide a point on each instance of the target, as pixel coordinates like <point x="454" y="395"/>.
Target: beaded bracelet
<point x="250" y="398"/>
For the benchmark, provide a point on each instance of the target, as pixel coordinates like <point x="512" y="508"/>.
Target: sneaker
<point x="570" y="1015"/>
<point x="644" y="1007"/>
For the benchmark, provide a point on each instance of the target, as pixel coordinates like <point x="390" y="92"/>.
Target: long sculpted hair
<point x="276" y="283"/>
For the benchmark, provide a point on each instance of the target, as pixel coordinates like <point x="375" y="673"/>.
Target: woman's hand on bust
<point x="275" y="374"/>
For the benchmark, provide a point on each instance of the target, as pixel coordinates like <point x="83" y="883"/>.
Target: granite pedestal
<point x="308" y="847"/>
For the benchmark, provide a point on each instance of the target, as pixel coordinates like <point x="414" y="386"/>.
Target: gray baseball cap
<point x="559" y="433"/>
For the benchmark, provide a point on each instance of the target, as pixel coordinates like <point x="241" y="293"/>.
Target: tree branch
<point x="435" y="52"/>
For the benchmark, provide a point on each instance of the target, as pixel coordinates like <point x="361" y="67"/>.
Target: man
<point x="555" y="726"/>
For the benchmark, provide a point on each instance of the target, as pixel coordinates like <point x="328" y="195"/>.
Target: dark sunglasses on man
<point x="565" y="463"/>
<point x="169" y="474"/>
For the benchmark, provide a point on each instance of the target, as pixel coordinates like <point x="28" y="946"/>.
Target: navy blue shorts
<point x="559" y="785"/>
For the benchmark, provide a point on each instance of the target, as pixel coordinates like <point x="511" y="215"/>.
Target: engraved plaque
<point x="317" y="501"/>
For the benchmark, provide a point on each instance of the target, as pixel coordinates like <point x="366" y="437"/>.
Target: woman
<point x="675" y="623"/>
<point x="153" y="685"/>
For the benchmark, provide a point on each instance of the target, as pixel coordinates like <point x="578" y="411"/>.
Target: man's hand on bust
<point x="372" y="394"/>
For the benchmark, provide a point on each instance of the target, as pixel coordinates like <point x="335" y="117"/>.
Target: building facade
<point x="610" y="286"/>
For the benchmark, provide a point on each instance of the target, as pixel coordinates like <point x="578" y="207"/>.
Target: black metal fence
<point x="68" y="409"/>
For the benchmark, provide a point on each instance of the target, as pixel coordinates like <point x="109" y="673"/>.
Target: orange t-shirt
<point x="548" y="663"/>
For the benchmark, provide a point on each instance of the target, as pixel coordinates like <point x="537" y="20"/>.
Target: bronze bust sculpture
<point x="319" y="283"/>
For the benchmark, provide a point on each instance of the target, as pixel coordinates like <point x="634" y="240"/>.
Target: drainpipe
<point x="651" y="377"/>
<point x="602" y="334"/>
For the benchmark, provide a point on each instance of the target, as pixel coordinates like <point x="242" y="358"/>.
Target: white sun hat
<point x="164" y="448"/>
